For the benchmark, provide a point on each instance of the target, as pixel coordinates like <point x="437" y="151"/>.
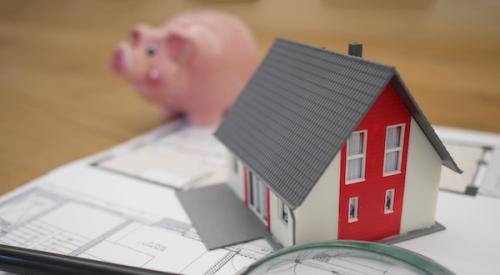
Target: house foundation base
<point x="413" y="234"/>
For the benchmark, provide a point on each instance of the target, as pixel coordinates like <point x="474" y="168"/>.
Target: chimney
<point x="355" y="49"/>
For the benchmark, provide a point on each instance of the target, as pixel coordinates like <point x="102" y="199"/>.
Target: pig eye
<point x="151" y="49"/>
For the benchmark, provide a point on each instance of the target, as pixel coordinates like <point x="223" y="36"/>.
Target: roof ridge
<point x="332" y="52"/>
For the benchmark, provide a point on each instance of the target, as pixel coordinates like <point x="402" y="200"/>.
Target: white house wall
<point x="281" y="230"/>
<point x="422" y="182"/>
<point x="317" y="218"/>
<point x="235" y="178"/>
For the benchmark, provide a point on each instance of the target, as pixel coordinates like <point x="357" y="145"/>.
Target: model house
<point x="332" y="146"/>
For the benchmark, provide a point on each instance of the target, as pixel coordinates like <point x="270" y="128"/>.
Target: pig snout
<point x="134" y="70"/>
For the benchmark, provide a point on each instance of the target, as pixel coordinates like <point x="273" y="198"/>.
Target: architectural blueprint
<point x="478" y="155"/>
<point x="120" y="205"/>
<point x="191" y="156"/>
<point x="74" y="217"/>
<point x="95" y="212"/>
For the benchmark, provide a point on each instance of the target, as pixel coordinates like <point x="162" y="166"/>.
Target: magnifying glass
<point x="345" y="257"/>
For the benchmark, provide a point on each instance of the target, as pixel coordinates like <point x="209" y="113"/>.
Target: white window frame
<point x="362" y="155"/>
<point x="355" y="219"/>
<point x="391" y="210"/>
<point x="390" y="150"/>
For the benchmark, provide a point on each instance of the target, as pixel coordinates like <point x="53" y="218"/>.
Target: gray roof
<point x="298" y="110"/>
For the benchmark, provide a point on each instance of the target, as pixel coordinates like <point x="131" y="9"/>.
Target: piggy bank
<point x="194" y="65"/>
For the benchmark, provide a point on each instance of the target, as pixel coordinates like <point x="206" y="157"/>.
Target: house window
<point x="235" y="165"/>
<point x="353" y="209"/>
<point x="264" y="207"/>
<point x="251" y="188"/>
<point x="389" y="201"/>
<point x="356" y="156"/>
<point x="283" y="209"/>
<point x="258" y="191"/>
<point x="393" y="149"/>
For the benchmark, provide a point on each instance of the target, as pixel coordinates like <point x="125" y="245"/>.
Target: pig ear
<point x="137" y="33"/>
<point x="179" y="46"/>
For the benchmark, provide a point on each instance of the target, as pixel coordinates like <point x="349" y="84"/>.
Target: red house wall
<point x="372" y="223"/>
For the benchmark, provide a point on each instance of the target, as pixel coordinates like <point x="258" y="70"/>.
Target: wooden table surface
<point x="59" y="101"/>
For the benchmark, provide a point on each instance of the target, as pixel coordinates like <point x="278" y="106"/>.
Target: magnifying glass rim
<point x="411" y="258"/>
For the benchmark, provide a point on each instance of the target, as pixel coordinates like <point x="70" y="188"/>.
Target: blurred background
<point x="59" y="101"/>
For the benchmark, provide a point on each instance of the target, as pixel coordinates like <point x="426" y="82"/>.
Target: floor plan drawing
<point x="179" y="159"/>
<point x="478" y="154"/>
<point x="79" y="227"/>
<point x="473" y="160"/>
<point x="15" y="212"/>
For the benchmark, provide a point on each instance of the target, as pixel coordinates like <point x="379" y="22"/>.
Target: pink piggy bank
<point x="194" y="65"/>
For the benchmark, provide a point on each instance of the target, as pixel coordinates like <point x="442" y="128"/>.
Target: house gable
<point x="373" y="223"/>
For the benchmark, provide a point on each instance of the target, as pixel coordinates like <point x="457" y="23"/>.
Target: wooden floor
<point x="59" y="102"/>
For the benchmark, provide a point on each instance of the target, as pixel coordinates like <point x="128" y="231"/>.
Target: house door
<point x="258" y="197"/>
